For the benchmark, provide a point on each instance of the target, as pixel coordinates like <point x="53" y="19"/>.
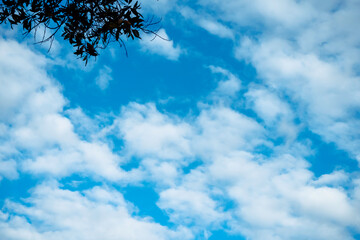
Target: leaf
<point x="136" y="33"/>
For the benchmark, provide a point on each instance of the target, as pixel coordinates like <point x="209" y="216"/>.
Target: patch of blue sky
<point x="131" y="163"/>
<point x="17" y="189"/>
<point x="327" y="157"/>
<point x="138" y="78"/>
<point x="192" y="165"/>
<point x="219" y="235"/>
<point x="144" y="199"/>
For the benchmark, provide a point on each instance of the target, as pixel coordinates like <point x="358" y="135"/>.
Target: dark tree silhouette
<point x="88" y="25"/>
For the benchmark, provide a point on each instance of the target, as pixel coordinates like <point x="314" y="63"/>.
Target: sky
<point x="244" y="124"/>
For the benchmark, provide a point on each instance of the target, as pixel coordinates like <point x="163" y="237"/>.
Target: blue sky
<point x="244" y="125"/>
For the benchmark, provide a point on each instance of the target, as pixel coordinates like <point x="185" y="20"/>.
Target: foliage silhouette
<point x="88" y="25"/>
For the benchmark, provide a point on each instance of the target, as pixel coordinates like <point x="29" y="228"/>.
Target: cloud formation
<point x="104" y="78"/>
<point x="161" y="45"/>
<point x="96" y="213"/>
<point x="237" y="162"/>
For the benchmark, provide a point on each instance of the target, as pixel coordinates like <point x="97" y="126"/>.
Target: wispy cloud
<point x="206" y="22"/>
<point x="161" y="45"/>
<point x="104" y="78"/>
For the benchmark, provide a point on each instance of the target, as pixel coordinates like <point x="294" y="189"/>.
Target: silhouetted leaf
<point x="87" y="24"/>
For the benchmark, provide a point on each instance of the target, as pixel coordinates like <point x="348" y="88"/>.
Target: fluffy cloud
<point x="272" y="196"/>
<point x="95" y="213"/>
<point x="147" y="132"/>
<point x="222" y="130"/>
<point x="32" y="104"/>
<point x="190" y="207"/>
<point x="276" y="195"/>
<point x="305" y="52"/>
<point x="238" y="164"/>
<point x="327" y="96"/>
<point x="276" y="113"/>
<point x="316" y="65"/>
<point x="8" y="169"/>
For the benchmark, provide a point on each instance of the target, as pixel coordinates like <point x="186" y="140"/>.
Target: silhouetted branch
<point x="88" y="25"/>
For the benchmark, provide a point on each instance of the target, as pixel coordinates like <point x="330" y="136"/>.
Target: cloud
<point x="271" y="193"/>
<point x="147" y="132"/>
<point x="335" y="178"/>
<point x="229" y="86"/>
<point x="8" y="169"/>
<point x="99" y="212"/>
<point x="316" y="65"/>
<point x="104" y="78"/>
<point x="34" y="121"/>
<point x="237" y="164"/>
<point x="161" y="45"/>
<point x="159" y="8"/>
<point x="21" y="77"/>
<point x="275" y="112"/>
<point x="327" y="96"/>
<point x="260" y="12"/>
<point x="222" y="130"/>
<point x="275" y="200"/>
<point x="274" y="196"/>
<point x="206" y="22"/>
<point x="190" y="207"/>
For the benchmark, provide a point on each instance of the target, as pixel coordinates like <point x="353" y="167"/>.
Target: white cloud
<point x="306" y="55"/>
<point x="97" y="213"/>
<point x="95" y="158"/>
<point x="222" y="130"/>
<point x="271" y="195"/>
<point x="327" y="97"/>
<point x="84" y="125"/>
<point x="334" y="179"/>
<point x="228" y="87"/>
<point x="267" y="105"/>
<point x="8" y="169"/>
<point x="307" y="51"/>
<point x="261" y="12"/>
<point x="23" y="75"/>
<point x="32" y="104"/>
<point x="147" y="132"/>
<point x="161" y="45"/>
<point x="276" y="195"/>
<point x="104" y="77"/>
<point x="216" y="28"/>
<point x="163" y="173"/>
<point x="206" y="22"/>
<point x="308" y="75"/>
<point x="159" y="8"/>
<point x="275" y="112"/>
<point x="316" y="202"/>
<point x="190" y="207"/>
